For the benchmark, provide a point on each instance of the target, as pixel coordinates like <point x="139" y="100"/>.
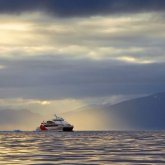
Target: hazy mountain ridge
<point x="19" y="119"/>
<point x="144" y="113"/>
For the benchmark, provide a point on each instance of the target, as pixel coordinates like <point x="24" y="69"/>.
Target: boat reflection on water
<point x="56" y="124"/>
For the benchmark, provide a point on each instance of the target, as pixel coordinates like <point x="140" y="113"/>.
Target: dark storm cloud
<point x="60" y="77"/>
<point x="66" y="8"/>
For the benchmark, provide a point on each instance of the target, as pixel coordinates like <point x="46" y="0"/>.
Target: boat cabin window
<point x="50" y="122"/>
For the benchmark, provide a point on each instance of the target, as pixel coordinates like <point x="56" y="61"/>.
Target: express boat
<point x="56" y="124"/>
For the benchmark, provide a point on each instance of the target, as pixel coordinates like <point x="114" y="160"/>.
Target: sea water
<point x="86" y="147"/>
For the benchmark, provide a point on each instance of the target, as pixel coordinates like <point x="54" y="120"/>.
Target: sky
<point x="60" y="55"/>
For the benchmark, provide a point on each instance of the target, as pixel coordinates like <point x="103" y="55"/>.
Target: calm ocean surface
<point x="110" y="147"/>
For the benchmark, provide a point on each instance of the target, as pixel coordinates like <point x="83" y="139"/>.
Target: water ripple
<point x="110" y="147"/>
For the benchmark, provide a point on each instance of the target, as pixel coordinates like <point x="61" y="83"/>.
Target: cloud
<point x="81" y="49"/>
<point x="138" y="36"/>
<point x="76" y="8"/>
<point x="44" y="107"/>
<point x="59" y="78"/>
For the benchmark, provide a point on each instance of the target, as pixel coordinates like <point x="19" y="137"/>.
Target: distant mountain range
<point x="19" y="119"/>
<point x="145" y="113"/>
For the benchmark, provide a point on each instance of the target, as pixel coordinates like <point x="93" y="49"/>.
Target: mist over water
<point x="85" y="147"/>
